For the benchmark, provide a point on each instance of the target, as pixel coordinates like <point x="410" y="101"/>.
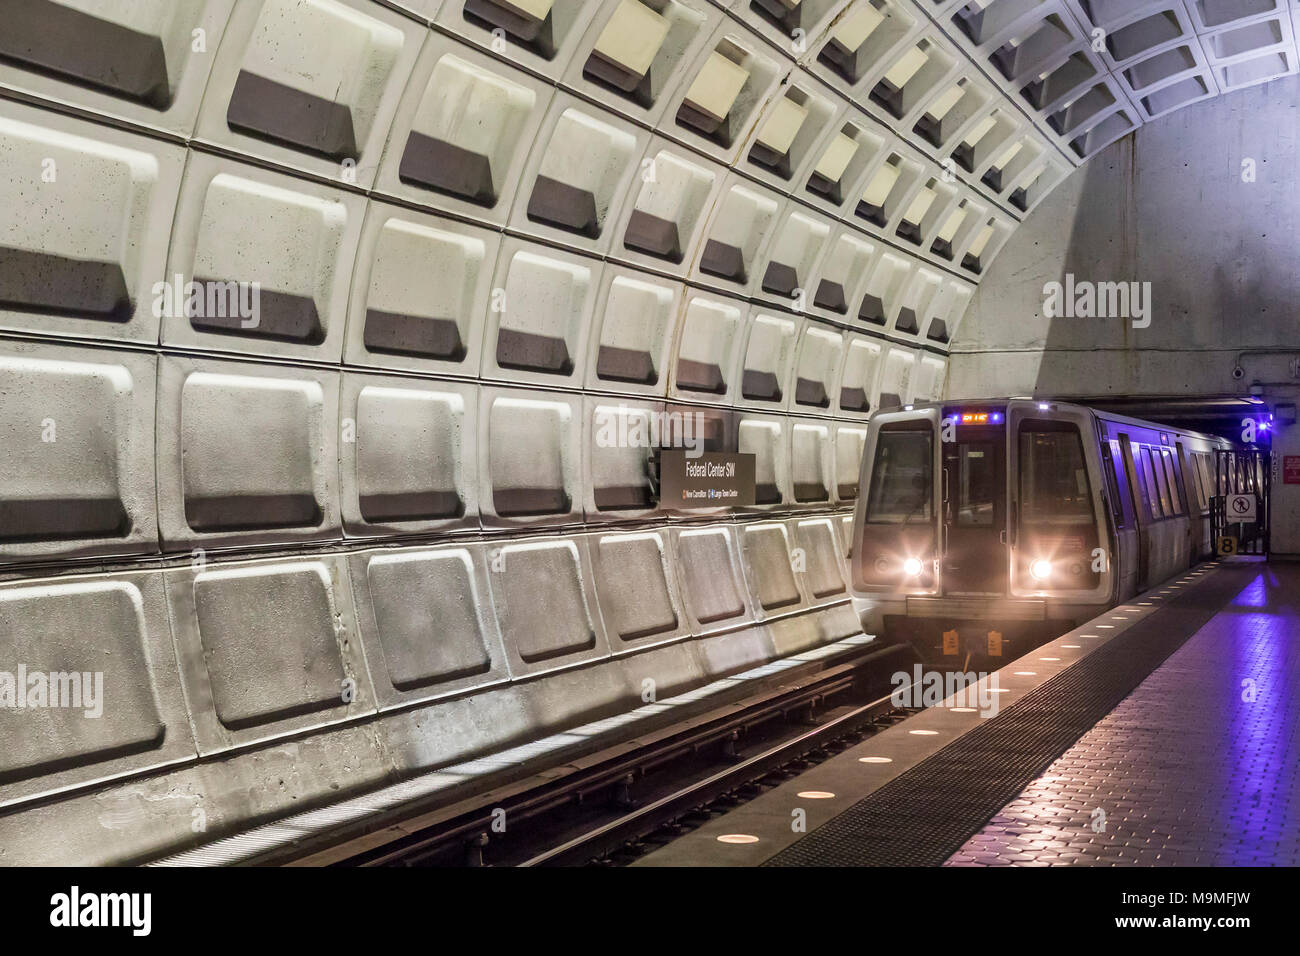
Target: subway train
<point x="987" y="527"/>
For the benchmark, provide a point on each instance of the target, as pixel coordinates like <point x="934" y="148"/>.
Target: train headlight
<point x="1041" y="569"/>
<point x="911" y="567"/>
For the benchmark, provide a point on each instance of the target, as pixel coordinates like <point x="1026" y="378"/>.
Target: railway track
<point x="645" y="829"/>
<point x="612" y="806"/>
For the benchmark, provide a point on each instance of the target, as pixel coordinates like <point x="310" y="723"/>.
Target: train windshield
<point x="1053" y="478"/>
<point x="902" y="477"/>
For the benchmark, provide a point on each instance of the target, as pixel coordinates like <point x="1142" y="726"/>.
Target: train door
<point x="1194" y="498"/>
<point x="1055" y="502"/>
<point x="974" y="508"/>
<point x="1139" y="519"/>
<point x="895" y="524"/>
<point x="1123" y="512"/>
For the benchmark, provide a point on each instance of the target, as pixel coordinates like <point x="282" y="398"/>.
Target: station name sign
<point x="712" y="479"/>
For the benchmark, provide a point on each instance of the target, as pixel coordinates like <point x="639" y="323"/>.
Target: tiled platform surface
<point x="1198" y="766"/>
<point x="916" y="793"/>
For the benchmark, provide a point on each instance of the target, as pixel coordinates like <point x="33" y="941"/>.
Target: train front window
<point x="902" y="478"/>
<point x="1054" y="485"/>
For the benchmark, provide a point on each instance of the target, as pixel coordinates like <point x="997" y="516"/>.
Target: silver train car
<point x="1007" y="522"/>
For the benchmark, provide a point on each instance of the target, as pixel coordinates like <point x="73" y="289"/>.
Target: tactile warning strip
<point x="925" y="814"/>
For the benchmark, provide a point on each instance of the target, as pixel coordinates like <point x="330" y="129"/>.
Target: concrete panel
<point x="915" y="301"/>
<point x="582" y="166"/>
<point x="543" y="594"/>
<point x="810" y="462"/>
<point x="791" y="259"/>
<point x="267" y="648"/>
<point x="845" y="525"/>
<point x="133" y="61"/>
<point x="859" y="393"/>
<point x="896" y="378"/>
<point x="310" y="84"/>
<point x="664" y="218"/>
<point x="427" y="622"/>
<point x="817" y="369"/>
<point x="793" y="635"/>
<point x="462" y="131"/>
<point x="708" y="567"/>
<point x="769" y="570"/>
<point x="742" y="222"/>
<point x="541" y="315"/>
<point x="271" y="256"/>
<point x="76" y="452"/>
<point x="542" y="39"/>
<point x="790" y="127"/>
<point x="849" y="443"/>
<point x="406" y="464"/>
<point x="78" y="705"/>
<point x="837" y="287"/>
<point x="768" y="361"/>
<point x="931" y="373"/>
<point x="420" y="292"/>
<point x="767" y="438"/>
<point x="649" y="614"/>
<point x="867" y="34"/>
<point x="632" y="343"/>
<point x="778" y="24"/>
<point x="84" y="236"/>
<point x="635" y="54"/>
<point x="734" y="651"/>
<point x="722" y="92"/>
<point x="850" y="147"/>
<point x="247" y="454"/>
<point x="708" y="348"/>
<point x="823" y="571"/>
<point x="620" y="443"/>
<point x="882" y="298"/>
<point x="530" y="457"/>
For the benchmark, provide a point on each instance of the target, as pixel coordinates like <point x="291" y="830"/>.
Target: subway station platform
<point x="1162" y="733"/>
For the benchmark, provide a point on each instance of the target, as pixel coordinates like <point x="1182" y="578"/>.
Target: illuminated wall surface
<point x="355" y="517"/>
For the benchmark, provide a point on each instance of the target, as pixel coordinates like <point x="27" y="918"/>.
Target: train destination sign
<point x="707" y="480"/>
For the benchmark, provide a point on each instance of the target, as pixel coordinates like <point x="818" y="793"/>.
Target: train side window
<point x="1149" y="484"/>
<point x="902" y="476"/>
<point x="1175" y="497"/>
<point x="1192" y="467"/>
<point x="1162" y="483"/>
<point x="1207" y="476"/>
<point x="1131" y="475"/>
